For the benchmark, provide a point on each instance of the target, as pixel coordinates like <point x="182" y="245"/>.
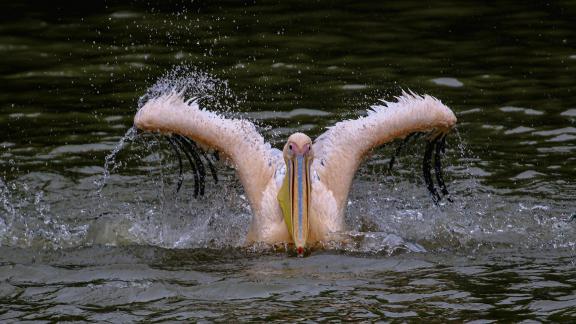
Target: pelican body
<point x="299" y="195"/>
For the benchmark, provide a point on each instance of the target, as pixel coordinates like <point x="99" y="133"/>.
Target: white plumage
<point x="336" y="154"/>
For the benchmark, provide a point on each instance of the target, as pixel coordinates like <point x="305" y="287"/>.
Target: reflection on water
<point x="91" y="228"/>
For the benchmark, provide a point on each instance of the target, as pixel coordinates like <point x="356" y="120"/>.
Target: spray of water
<point x="211" y="92"/>
<point x="7" y="213"/>
<point x="110" y="160"/>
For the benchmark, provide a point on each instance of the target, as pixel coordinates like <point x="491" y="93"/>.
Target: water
<point x="82" y="242"/>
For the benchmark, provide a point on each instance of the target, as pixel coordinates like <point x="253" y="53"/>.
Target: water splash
<point x="110" y="160"/>
<point x="465" y="153"/>
<point x="26" y="220"/>
<point x="7" y="210"/>
<point x="212" y="93"/>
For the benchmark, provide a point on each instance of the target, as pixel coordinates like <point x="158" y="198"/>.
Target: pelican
<point x="298" y="195"/>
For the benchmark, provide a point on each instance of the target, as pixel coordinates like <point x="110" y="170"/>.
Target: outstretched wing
<point x="340" y="150"/>
<point x="236" y="139"/>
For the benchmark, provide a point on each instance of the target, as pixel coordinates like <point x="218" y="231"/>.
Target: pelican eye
<point x="290" y="147"/>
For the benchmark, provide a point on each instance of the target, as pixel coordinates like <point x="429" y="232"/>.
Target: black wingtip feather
<point x="400" y="147"/>
<point x="439" y="151"/>
<point x="397" y="152"/>
<point x="203" y="154"/>
<point x="180" y="176"/>
<point x="212" y="168"/>
<point x="194" y="155"/>
<point x="193" y="150"/>
<point x="191" y="144"/>
<point x="189" y="155"/>
<point x="435" y="148"/>
<point x="426" y="168"/>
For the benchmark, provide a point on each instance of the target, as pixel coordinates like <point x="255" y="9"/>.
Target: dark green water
<point x="70" y="80"/>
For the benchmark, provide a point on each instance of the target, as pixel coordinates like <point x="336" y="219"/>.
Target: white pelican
<point x="298" y="195"/>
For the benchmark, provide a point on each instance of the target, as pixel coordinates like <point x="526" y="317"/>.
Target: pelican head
<point x="294" y="195"/>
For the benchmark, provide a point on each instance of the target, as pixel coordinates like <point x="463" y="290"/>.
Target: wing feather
<point x="237" y="139"/>
<point x="340" y="150"/>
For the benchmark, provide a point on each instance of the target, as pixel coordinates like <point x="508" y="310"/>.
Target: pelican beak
<point x="300" y="196"/>
<point x="294" y="199"/>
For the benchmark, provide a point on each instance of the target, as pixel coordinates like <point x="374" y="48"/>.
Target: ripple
<point x="113" y="118"/>
<point x="529" y="174"/>
<point x="448" y="82"/>
<point x="539" y="284"/>
<point x="142" y="283"/>
<point x="21" y="115"/>
<point x="477" y="172"/>
<point x="42" y="74"/>
<point x="462" y="306"/>
<point x="528" y="143"/>
<point x="526" y="111"/>
<point x="519" y="130"/>
<point x="559" y="131"/>
<point x="82" y="148"/>
<point x="12" y="47"/>
<point x="354" y="86"/>
<point x="470" y="111"/>
<point x="283" y="65"/>
<point x="124" y="14"/>
<point x="556" y="149"/>
<point x="89" y="170"/>
<point x="494" y="127"/>
<point x="546" y="306"/>
<point x="569" y="113"/>
<point x="562" y="138"/>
